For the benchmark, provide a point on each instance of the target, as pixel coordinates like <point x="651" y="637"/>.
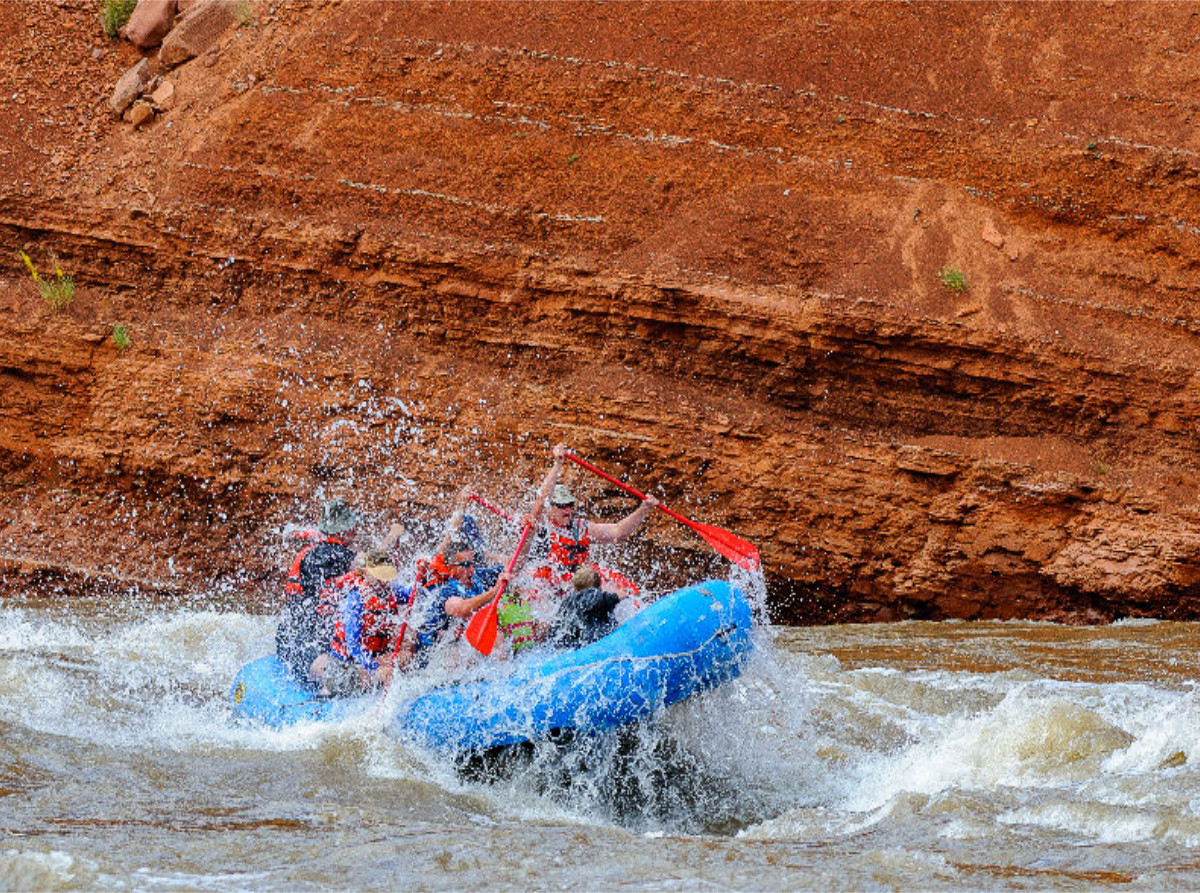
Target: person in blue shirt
<point x="447" y="605"/>
<point x="462" y="528"/>
<point x="367" y="610"/>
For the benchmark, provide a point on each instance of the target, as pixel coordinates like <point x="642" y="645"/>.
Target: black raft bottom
<point x="639" y="776"/>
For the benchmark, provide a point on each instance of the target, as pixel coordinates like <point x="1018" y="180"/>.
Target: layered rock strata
<point x="904" y="294"/>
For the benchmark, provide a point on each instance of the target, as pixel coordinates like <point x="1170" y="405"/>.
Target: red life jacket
<point x="613" y="580"/>
<point x="380" y="608"/>
<point x="570" y="545"/>
<point x="432" y="573"/>
<point x="293" y="588"/>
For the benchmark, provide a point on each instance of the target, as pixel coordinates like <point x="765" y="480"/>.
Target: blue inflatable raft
<point x="689" y="641"/>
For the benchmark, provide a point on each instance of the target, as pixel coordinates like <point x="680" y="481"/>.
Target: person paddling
<point x="563" y="544"/>
<point x="461" y="526"/>
<point x="446" y="606"/>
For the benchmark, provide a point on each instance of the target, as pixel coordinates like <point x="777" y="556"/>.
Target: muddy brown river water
<point x="913" y="756"/>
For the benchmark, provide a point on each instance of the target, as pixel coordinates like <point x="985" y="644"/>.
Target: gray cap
<point x="561" y="496"/>
<point x="337" y="517"/>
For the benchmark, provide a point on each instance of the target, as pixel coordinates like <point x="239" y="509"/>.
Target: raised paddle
<point x="481" y="631"/>
<point x="494" y="509"/>
<point x="732" y="547"/>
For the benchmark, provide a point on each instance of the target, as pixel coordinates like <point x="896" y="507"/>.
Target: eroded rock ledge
<point x="383" y="249"/>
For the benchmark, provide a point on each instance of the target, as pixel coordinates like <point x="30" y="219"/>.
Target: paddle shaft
<point x="404" y="626"/>
<point x="632" y="491"/>
<point x="732" y="547"/>
<point x="495" y="509"/>
<point x="512" y="562"/>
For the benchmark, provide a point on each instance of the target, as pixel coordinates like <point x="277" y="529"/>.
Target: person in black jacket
<point x="303" y="634"/>
<point x="585" y="614"/>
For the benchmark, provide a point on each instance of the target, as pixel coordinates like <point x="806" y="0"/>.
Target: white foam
<point x="30" y="869"/>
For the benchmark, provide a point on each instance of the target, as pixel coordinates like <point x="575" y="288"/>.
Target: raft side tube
<point x="687" y="642"/>
<point x="266" y="690"/>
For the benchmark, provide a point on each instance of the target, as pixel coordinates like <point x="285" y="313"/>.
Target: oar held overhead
<point x="727" y="544"/>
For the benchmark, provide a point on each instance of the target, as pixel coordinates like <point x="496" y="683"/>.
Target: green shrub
<point x="114" y="14"/>
<point x="120" y="336"/>
<point x="58" y="292"/>
<point x="952" y="279"/>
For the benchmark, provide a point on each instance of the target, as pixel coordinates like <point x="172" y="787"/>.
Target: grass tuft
<point x="952" y="279"/>
<point x="114" y="14"/>
<point x="58" y="292"/>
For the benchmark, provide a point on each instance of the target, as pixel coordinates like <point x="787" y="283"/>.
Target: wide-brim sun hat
<point x="378" y="563"/>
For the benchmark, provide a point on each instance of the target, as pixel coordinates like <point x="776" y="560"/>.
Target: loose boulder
<point x="149" y="24"/>
<point x="131" y="85"/>
<point x="198" y="29"/>
<point x="163" y="96"/>
<point x="141" y="113"/>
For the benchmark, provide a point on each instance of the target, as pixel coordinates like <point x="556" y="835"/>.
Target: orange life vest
<point x="569" y="545"/>
<point x="433" y="572"/>
<point x="293" y="588"/>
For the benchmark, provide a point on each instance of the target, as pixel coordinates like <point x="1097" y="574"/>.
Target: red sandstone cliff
<point x="380" y="249"/>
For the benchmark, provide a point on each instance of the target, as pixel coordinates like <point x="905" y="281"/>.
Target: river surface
<point x="916" y="756"/>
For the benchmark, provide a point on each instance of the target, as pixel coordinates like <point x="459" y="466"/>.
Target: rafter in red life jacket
<point x="293" y="588"/>
<point x="570" y="544"/>
<point x="380" y="608"/>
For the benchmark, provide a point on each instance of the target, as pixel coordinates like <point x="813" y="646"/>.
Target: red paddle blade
<point x="481" y="631"/>
<point x="732" y="547"/>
